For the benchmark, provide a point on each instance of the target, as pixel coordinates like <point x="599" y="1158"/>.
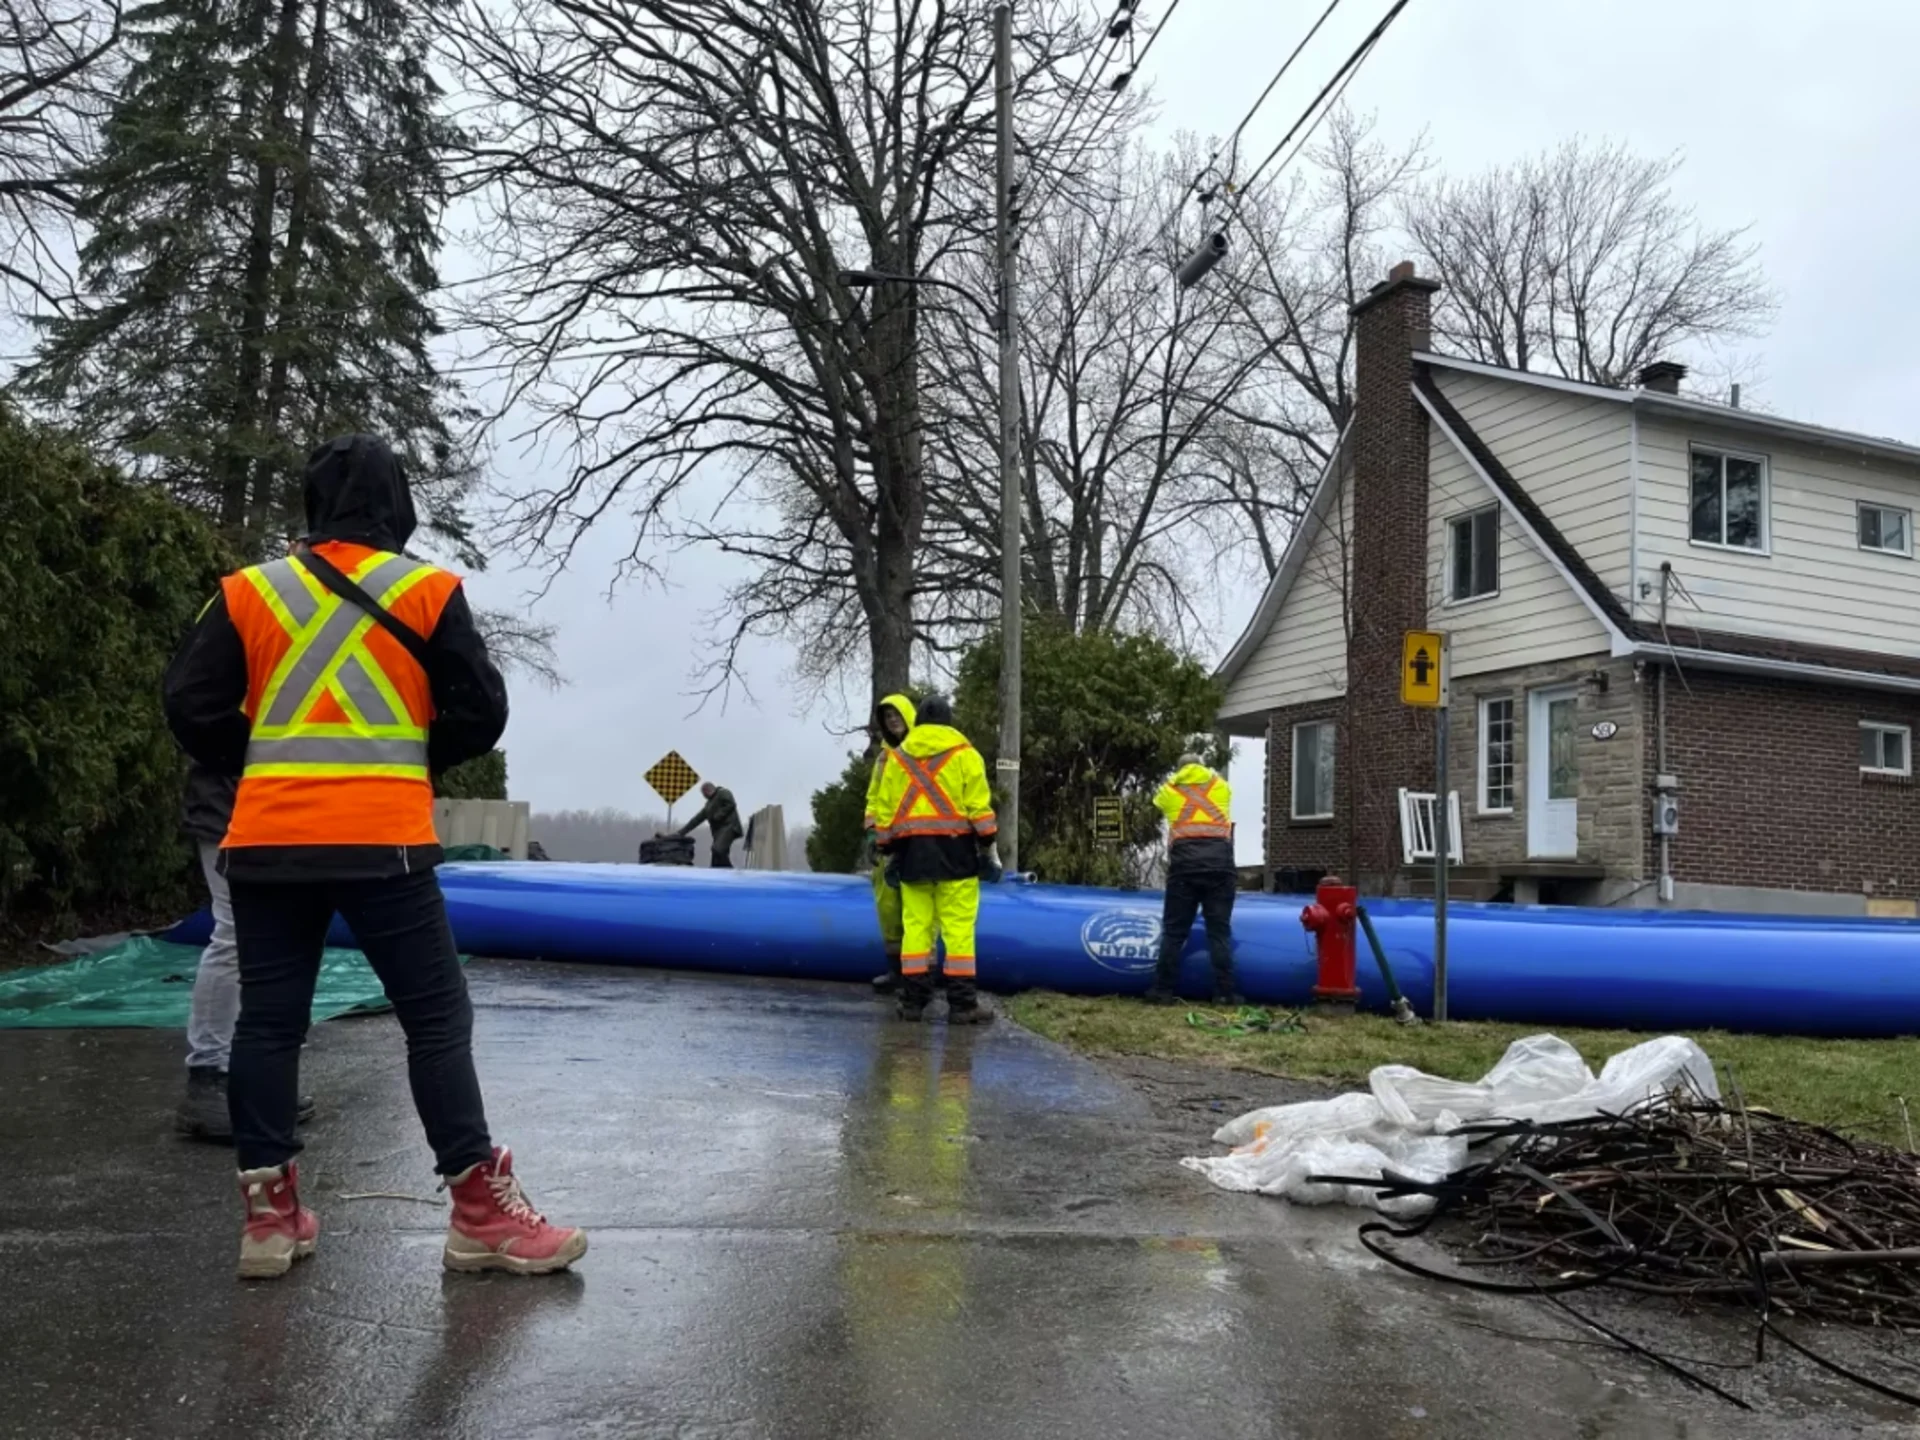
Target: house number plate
<point x="1605" y="730"/>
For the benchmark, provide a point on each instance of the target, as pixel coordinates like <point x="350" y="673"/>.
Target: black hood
<point x="357" y="490"/>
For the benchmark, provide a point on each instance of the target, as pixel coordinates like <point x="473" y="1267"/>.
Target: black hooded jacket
<point x="356" y="491"/>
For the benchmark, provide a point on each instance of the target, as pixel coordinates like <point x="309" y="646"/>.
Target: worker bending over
<point x="1201" y="876"/>
<point x="722" y="817"/>
<point x="938" y="836"/>
<point x="333" y="682"/>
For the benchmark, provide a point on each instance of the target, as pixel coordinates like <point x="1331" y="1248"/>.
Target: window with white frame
<point x="1473" y="544"/>
<point x="1729" y="500"/>
<point x="1496" y="755"/>
<point x="1885" y="749"/>
<point x="1313" y="770"/>
<point x="1886" y="528"/>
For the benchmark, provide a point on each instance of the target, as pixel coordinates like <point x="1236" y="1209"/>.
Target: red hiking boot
<point x="279" y="1229"/>
<point x="494" y="1228"/>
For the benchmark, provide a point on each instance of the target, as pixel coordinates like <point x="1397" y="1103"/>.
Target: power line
<point x="1031" y="209"/>
<point x="1232" y="143"/>
<point x="1095" y="60"/>
<point x="1315" y="112"/>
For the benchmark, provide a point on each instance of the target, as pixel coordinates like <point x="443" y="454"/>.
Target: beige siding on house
<point x="1535" y="618"/>
<point x="1569" y="453"/>
<point x="1816" y="585"/>
<point x="1303" y="656"/>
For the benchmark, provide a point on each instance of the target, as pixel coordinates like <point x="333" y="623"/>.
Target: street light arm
<point x="866" y="279"/>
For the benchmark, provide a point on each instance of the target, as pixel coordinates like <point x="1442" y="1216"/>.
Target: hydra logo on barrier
<point x="1123" y="940"/>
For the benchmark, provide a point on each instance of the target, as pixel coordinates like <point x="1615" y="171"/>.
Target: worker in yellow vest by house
<point x="1201" y="876"/>
<point x="938" y="834"/>
<point x="893" y="717"/>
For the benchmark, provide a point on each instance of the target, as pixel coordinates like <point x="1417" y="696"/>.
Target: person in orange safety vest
<point x="334" y="683"/>
<point x="1198" y="804"/>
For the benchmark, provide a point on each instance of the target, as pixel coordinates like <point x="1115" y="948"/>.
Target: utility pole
<point x="1008" y="764"/>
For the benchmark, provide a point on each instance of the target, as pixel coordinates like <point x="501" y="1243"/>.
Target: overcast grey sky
<point x="1795" y="118"/>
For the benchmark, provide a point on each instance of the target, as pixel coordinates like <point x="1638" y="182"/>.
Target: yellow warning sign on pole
<point x="671" y="777"/>
<point x="1423" y="669"/>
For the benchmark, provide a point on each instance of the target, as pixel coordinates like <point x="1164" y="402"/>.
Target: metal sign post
<point x="1423" y="683"/>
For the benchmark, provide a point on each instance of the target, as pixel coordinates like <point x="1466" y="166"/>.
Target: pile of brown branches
<point x="1688" y="1198"/>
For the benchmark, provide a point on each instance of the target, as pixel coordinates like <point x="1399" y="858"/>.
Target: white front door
<point x="1553" y="774"/>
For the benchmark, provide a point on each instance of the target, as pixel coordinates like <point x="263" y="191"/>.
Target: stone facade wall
<point x="1614" y="813"/>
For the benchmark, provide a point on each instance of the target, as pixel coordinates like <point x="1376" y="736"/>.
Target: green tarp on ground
<point x="148" y="984"/>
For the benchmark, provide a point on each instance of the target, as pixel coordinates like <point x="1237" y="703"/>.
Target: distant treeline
<point x="609" y="834"/>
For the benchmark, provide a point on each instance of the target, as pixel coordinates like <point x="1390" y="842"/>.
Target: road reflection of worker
<point x="905" y="1295"/>
<point x="722" y="817"/>
<point x="939" y="837"/>
<point x="1198" y="804"/>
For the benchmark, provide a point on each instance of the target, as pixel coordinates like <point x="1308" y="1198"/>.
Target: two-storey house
<point x="1662" y="614"/>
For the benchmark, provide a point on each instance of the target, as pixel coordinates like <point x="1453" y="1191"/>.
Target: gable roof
<point x="1658" y="402"/>
<point x="1319" y="506"/>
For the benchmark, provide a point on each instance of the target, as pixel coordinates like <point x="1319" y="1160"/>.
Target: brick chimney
<point x="1384" y="744"/>
<point x="1663" y="376"/>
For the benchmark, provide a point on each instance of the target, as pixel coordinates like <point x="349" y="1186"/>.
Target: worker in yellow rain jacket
<point x="893" y="717"/>
<point x="1201" y="876"/>
<point x="938" y="834"/>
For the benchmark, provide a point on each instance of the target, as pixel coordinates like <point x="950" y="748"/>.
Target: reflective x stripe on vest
<point x="366" y="730"/>
<point x="1200" y="818"/>
<point x="923" y="783"/>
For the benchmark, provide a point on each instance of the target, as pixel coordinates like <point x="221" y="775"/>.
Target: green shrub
<point x="99" y="579"/>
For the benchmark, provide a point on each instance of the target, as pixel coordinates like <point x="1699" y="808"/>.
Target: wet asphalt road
<point x="806" y="1222"/>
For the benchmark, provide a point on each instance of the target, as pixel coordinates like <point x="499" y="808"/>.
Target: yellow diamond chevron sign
<point x="671" y="777"/>
<point x="1423" y="669"/>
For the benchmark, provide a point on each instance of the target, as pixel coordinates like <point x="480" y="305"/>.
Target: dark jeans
<point x="721" y="859"/>
<point x="1211" y="893"/>
<point x="401" y="923"/>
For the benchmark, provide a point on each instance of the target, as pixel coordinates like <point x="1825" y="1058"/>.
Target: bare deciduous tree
<point x="677" y="185"/>
<point x="1582" y="262"/>
<point x="520" y="645"/>
<point x="51" y="94"/>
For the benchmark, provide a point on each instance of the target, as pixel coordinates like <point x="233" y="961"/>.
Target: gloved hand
<point x="893" y="874"/>
<point x="991" y="870"/>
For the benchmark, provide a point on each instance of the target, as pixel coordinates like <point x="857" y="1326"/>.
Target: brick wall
<point x="1772" y="793"/>
<point x="1316" y="844"/>
<point x="1389" y="443"/>
<point x="1613" y="807"/>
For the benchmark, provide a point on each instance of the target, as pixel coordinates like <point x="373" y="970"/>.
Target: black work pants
<point x="401" y="924"/>
<point x="1210" y="892"/>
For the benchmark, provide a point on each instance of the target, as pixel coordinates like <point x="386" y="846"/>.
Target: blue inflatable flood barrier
<point x="1546" y="965"/>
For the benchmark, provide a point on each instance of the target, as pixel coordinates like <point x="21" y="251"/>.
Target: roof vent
<point x="1664" y="376"/>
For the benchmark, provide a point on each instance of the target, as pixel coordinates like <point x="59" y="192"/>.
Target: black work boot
<point x="915" y="994"/>
<point x="1225" y="992"/>
<point x="202" y="1113"/>
<point x="888" y="983"/>
<point x="1162" y="991"/>
<point x="963" y="1005"/>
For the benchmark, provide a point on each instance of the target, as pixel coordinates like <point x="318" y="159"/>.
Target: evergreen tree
<point x="263" y="217"/>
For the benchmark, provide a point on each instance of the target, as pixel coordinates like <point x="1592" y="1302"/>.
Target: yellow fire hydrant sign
<point x="1423" y="669"/>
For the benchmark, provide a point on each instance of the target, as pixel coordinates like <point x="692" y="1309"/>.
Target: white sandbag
<point x="1404" y="1121"/>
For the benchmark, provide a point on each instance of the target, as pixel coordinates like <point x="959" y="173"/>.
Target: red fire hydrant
<point x="1331" y="921"/>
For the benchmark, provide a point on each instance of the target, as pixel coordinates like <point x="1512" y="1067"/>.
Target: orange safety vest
<point x="1200" y="818"/>
<point x="337" y="754"/>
